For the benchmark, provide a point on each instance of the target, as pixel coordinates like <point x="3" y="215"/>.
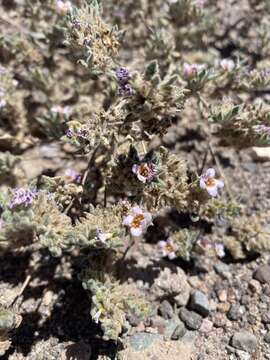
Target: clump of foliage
<point x="9" y="320"/>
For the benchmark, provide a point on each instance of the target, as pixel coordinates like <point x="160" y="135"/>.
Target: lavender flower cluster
<point x="80" y="133"/>
<point x="123" y="77"/>
<point x="22" y="196"/>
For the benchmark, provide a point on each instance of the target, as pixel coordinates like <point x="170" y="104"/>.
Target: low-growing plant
<point x="78" y="87"/>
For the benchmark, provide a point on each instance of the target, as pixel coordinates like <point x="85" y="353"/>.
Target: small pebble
<point x="219" y="320"/>
<point x="206" y="326"/>
<point x="251" y="319"/>
<point x="267" y="338"/>
<point x="223" y="307"/>
<point x="236" y="312"/>
<point x="192" y="320"/>
<point x="166" y="310"/>
<point x="262" y="274"/>
<point x="222" y="295"/>
<point x="265" y="318"/>
<point x="254" y="286"/>
<point x="199" y="303"/>
<point x="179" y="332"/>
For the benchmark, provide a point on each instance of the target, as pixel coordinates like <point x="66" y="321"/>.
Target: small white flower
<point x="138" y="221"/>
<point x="144" y="172"/>
<point x="204" y="244"/>
<point x="168" y="248"/>
<point x="101" y="236"/>
<point x="62" y="110"/>
<point x="63" y="7"/>
<point x="96" y="317"/>
<point x="220" y="251"/>
<point x="209" y="183"/>
<point x="192" y="70"/>
<point x="227" y="65"/>
<point x="200" y="3"/>
<point x="3" y="103"/>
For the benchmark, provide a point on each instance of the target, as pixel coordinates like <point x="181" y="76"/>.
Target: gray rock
<point x="265" y="318"/>
<point x="236" y="312"/>
<point x="165" y="327"/>
<point x="262" y="274"/>
<point x="179" y="331"/>
<point x="244" y="340"/>
<point x="223" y="270"/>
<point x="141" y="341"/>
<point x="192" y="320"/>
<point x="252" y="319"/>
<point x="171" y="325"/>
<point x="267" y="338"/>
<point x="199" y="303"/>
<point x="166" y="310"/>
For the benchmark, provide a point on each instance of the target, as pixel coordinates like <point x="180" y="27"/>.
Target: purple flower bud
<point x="73" y="175"/>
<point x="262" y="129"/>
<point x="22" y="197"/>
<point x="69" y="133"/>
<point x="123" y="75"/>
<point x="125" y="90"/>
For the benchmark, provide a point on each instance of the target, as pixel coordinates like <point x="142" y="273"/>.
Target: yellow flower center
<point x="136" y="222"/>
<point x="168" y="248"/>
<point x="144" y="171"/>
<point x="210" y="182"/>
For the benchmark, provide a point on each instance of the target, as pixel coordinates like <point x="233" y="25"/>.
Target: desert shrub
<point x="106" y="81"/>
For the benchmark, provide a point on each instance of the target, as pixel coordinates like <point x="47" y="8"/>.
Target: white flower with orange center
<point x="101" y="236"/>
<point x="96" y="316"/>
<point x="144" y="172"/>
<point x="220" y="250"/>
<point x="138" y="221"/>
<point x="209" y="183"/>
<point x="192" y="70"/>
<point x="227" y="65"/>
<point x="168" y="248"/>
<point x="63" y="7"/>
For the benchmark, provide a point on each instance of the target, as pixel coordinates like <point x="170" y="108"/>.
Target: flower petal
<point x="220" y="184"/>
<point x="136" y="210"/>
<point x="136" y="231"/>
<point x="127" y="220"/>
<point x="172" y="255"/>
<point x="141" y="178"/>
<point x="202" y="183"/>
<point x="211" y="172"/>
<point x="212" y="190"/>
<point x="135" y="168"/>
<point x="162" y="243"/>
